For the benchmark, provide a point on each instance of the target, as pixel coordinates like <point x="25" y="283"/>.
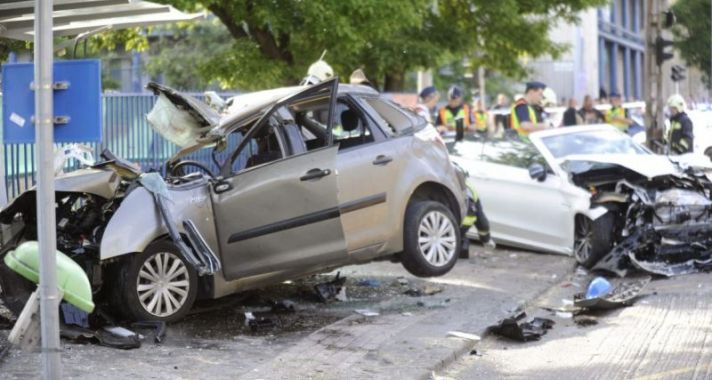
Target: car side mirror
<point x="537" y="172"/>
<point x="221" y="185"/>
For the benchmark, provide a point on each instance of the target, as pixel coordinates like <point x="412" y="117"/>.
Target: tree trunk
<point x="395" y="81"/>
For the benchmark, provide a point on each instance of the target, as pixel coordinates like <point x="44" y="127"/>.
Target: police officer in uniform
<point x="454" y="110"/>
<point x="680" y="135"/>
<point x="481" y="121"/>
<point x="524" y="116"/>
<point x="617" y="116"/>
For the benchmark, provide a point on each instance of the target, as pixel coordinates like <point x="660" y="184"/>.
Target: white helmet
<point x="319" y="71"/>
<point x="677" y="101"/>
<point x="549" y="98"/>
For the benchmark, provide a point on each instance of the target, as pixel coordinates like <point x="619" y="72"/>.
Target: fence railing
<point x="125" y="132"/>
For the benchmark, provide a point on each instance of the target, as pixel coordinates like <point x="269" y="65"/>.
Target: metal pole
<point x="46" y="219"/>
<point x="660" y="102"/>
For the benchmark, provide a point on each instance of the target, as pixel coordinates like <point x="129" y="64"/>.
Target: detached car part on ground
<point x="303" y="180"/>
<point x="592" y="192"/>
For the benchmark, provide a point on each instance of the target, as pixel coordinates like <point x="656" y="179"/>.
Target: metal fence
<point x="125" y="132"/>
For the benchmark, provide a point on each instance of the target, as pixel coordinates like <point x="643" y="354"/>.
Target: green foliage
<point x="183" y="53"/>
<point x="692" y="34"/>
<point x="8" y="45"/>
<point x="275" y="41"/>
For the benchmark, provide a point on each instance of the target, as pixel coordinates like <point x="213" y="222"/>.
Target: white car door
<point x="522" y="211"/>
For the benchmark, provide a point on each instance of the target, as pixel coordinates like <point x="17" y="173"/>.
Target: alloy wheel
<point x="583" y="237"/>
<point x="163" y="284"/>
<point x="437" y="238"/>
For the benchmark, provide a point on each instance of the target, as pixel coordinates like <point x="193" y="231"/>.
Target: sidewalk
<point x="397" y="346"/>
<point x="406" y="341"/>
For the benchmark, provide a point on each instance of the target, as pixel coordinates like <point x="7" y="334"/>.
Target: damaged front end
<point x="663" y="217"/>
<point x="98" y="224"/>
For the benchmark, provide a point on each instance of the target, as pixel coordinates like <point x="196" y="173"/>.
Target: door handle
<point x="382" y="159"/>
<point x="315" y="173"/>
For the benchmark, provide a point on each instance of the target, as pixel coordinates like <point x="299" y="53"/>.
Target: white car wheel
<point x="584" y="235"/>
<point x="431" y="239"/>
<point x="163" y="284"/>
<point x="437" y="239"/>
<point x="155" y="285"/>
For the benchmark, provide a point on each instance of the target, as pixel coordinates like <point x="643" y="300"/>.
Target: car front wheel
<point x="431" y="239"/>
<point x="157" y="285"/>
<point x="593" y="239"/>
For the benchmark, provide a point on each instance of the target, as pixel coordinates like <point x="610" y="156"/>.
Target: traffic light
<point x="678" y="73"/>
<point x="660" y="54"/>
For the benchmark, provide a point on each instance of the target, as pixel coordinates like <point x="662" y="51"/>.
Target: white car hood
<point x="649" y="166"/>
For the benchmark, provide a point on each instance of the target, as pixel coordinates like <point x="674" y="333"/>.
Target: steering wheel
<point x="173" y="171"/>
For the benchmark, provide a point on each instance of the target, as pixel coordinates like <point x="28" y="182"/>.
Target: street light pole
<point x="46" y="219"/>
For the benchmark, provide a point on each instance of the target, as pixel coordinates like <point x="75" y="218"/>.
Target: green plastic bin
<point x="71" y="279"/>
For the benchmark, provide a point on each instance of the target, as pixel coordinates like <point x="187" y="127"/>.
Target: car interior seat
<point x="350" y="122"/>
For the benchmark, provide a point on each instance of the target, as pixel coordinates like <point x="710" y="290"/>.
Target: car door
<point x="368" y="163"/>
<point x="520" y="209"/>
<point x="282" y="215"/>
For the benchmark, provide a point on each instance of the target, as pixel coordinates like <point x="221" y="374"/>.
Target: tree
<point x="692" y="34"/>
<point x="184" y="54"/>
<point x="8" y="45"/>
<point x="275" y="41"/>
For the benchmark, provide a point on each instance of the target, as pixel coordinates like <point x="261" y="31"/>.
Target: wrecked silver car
<point x="302" y="180"/>
<point x="593" y="193"/>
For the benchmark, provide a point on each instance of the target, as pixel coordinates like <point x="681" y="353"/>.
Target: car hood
<point x="187" y="121"/>
<point x="648" y="166"/>
<point x="100" y="182"/>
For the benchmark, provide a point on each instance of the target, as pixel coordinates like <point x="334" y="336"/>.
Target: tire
<point x="143" y="275"/>
<point x="428" y="252"/>
<point x="593" y="239"/>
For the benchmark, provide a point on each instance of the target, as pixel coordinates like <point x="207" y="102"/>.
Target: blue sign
<point x="77" y="102"/>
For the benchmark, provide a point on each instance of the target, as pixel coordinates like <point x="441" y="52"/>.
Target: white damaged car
<point x="584" y="190"/>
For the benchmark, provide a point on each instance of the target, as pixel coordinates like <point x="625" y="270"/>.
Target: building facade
<point x="606" y="53"/>
<point x="621" y="48"/>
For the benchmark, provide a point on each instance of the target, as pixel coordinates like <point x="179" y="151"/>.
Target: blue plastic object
<point x="598" y="287"/>
<point x="80" y="101"/>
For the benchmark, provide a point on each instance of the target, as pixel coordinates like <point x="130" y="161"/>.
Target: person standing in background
<point x="427" y="100"/>
<point x="501" y="114"/>
<point x="588" y="113"/>
<point x="617" y="116"/>
<point x="481" y="118"/>
<point x="454" y="110"/>
<point x="571" y="117"/>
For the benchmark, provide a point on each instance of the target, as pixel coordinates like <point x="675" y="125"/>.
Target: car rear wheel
<point x="593" y="239"/>
<point x="157" y="285"/>
<point x="431" y="239"/>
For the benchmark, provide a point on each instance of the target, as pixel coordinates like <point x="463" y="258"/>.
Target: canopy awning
<point x="73" y="17"/>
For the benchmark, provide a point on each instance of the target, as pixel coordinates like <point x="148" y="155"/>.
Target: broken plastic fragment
<point x="515" y="328"/>
<point x="367" y="312"/>
<point x="463" y="335"/>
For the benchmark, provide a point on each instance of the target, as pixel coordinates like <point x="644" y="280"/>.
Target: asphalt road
<point x="666" y="334"/>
